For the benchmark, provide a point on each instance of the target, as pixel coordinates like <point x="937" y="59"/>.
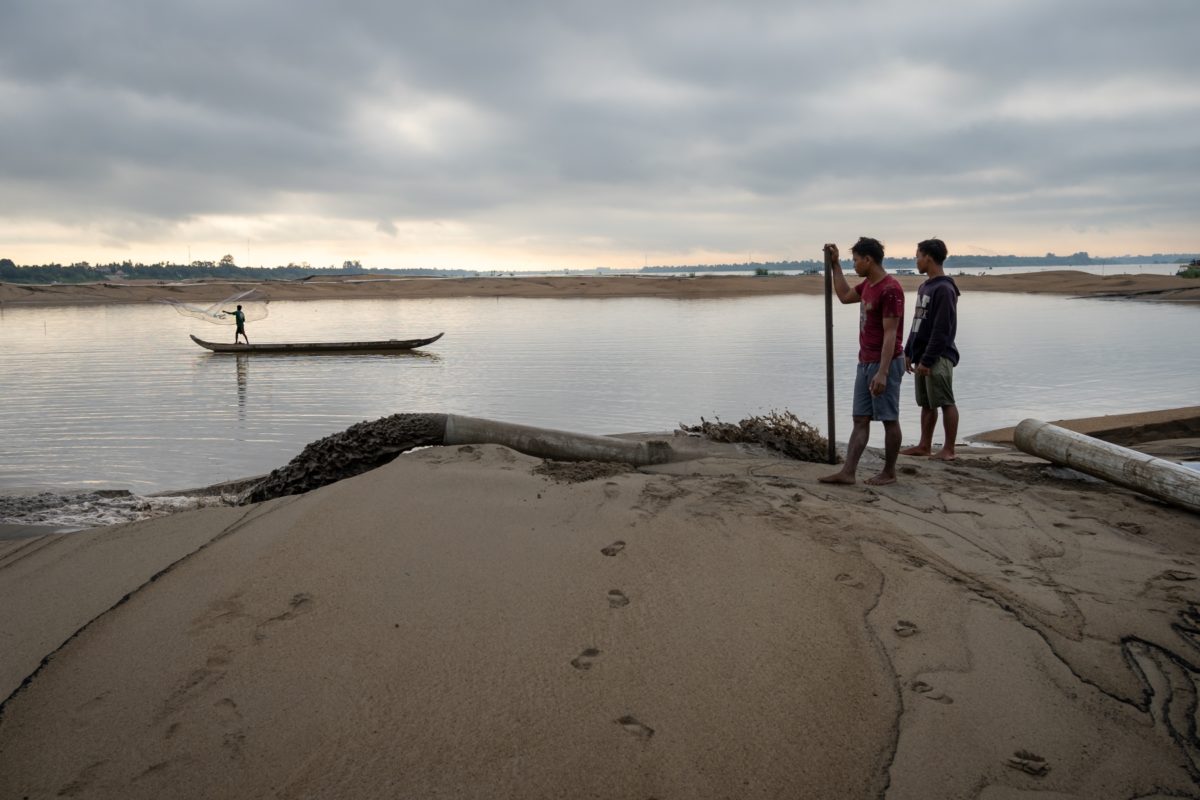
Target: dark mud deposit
<point x="358" y="449"/>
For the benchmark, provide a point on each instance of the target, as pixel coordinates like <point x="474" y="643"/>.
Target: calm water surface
<point x="118" y="396"/>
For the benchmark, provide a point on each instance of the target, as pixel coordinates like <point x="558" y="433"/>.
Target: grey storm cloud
<point x="672" y="124"/>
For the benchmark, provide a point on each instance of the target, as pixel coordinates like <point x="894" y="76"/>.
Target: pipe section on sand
<point x="1156" y="477"/>
<point x="561" y="445"/>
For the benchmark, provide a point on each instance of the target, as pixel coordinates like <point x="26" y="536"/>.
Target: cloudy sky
<point x="533" y="134"/>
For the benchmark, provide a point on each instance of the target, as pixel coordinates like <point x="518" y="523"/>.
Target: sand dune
<point x="455" y="624"/>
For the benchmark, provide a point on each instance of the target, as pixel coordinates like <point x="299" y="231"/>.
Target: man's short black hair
<point x="871" y="248"/>
<point x="935" y="249"/>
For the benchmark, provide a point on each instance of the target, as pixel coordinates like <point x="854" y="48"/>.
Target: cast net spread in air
<point x="253" y="303"/>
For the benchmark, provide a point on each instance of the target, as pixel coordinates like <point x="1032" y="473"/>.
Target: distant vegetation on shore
<point x="83" y="272"/>
<point x="971" y="262"/>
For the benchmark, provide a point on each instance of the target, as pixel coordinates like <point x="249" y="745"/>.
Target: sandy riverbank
<point x="1161" y="288"/>
<point x="457" y="624"/>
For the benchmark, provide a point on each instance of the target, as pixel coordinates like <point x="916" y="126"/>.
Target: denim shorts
<point x="885" y="407"/>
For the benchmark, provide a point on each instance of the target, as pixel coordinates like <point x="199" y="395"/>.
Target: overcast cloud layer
<point x="532" y="134"/>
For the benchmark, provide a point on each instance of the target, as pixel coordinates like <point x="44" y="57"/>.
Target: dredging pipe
<point x="561" y="445"/>
<point x="1156" y="477"/>
<point x="368" y="445"/>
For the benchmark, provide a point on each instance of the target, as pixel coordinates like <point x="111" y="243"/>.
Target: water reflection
<point x="243" y="373"/>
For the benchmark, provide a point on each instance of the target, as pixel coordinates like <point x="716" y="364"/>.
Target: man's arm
<point x="845" y="292"/>
<point x="879" y="382"/>
<point x="908" y="347"/>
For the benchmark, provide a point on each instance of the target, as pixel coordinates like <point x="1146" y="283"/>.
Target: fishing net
<point x="253" y="303"/>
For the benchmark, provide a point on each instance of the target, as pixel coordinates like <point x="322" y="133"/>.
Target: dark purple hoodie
<point x="934" y="322"/>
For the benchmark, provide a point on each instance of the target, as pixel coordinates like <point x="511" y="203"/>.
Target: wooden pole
<point x="1156" y="477"/>
<point x="829" y="353"/>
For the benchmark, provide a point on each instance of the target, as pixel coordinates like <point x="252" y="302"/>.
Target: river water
<point x="119" y="397"/>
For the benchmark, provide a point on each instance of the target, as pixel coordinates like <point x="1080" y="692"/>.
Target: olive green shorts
<point x="936" y="390"/>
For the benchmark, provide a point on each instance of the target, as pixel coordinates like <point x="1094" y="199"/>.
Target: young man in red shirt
<point x="880" y="357"/>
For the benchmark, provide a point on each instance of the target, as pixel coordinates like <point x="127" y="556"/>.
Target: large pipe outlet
<point x="1156" y="477"/>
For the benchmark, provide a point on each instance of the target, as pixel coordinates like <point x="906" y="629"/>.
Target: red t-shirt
<point x="884" y="299"/>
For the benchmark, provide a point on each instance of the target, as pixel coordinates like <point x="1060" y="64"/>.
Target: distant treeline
<point x="83" y="272"/>
<point x="88" y="273"/>
<point x="1080" y="259"/>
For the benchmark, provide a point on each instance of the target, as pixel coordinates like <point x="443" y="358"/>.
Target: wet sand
<point x="1159" y="288"/>
<point x="464" y="623"/>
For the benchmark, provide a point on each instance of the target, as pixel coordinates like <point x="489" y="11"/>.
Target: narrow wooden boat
<point x="318" y="347"/>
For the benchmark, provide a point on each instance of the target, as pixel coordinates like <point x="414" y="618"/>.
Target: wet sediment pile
<point x="360" y="448"/>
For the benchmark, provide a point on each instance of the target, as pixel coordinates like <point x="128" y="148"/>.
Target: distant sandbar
<point x="1163" y="288"/>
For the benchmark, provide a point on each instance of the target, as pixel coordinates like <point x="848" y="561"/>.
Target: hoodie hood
<point x="940" y="279"/>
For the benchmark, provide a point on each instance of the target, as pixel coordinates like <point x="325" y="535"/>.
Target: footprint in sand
<point x="585" y="659"/>
<point x="929" y="693"/>
<point x="905" y="628"/>
<point x="82" y="782"/>
<point x="846" y="579"/>
<point x="1029" y="763"/>
<point x="1063" y="526"/>
<point x="617" y="598"/>
<point x="1177" y="575"/>
<point x="632" y="725"/>
<point x="228" y="708"/>
<point x="151" y="770"/>
<point x="613" y="548"/>
<point x="301" y="603"/>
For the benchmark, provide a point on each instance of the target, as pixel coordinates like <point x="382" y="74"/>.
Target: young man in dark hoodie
<point x="930" y="352"/>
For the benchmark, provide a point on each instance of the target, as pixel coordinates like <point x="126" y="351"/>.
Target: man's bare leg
<point x="854" y="451"/>
<point x="950" y="421"/>
<point x="929" y="418"/>
<point x="891" y="449"/>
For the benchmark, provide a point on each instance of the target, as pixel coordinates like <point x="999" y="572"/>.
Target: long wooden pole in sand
<point x="829" y="351"/>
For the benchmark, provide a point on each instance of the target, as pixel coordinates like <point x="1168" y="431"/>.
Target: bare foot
<point x="915" y="450"/>
<point x="881" y="480"/>
<point x="943" y="455"/>
<point x="838" y="477"/>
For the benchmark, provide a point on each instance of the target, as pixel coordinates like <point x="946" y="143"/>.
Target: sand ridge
<point x="457" y="624"/>
<point x="1162" y="288"/>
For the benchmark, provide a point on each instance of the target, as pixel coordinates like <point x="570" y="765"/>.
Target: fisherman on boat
<point x="240" y="319"/>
